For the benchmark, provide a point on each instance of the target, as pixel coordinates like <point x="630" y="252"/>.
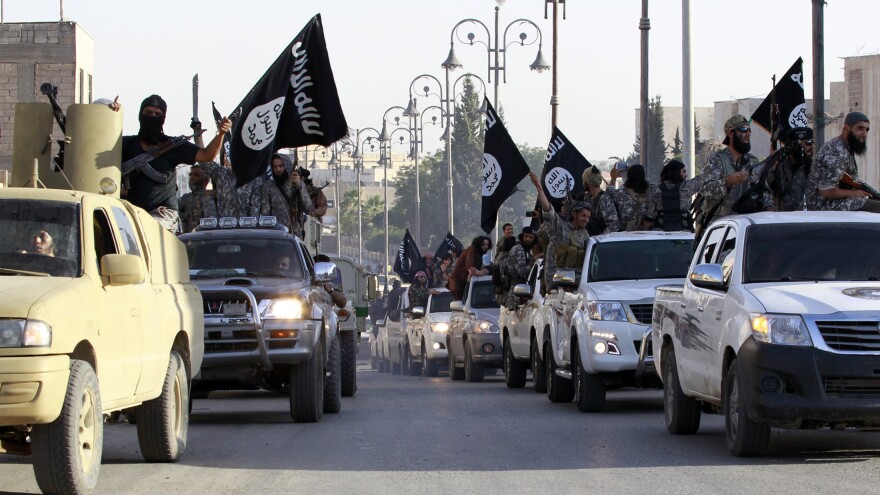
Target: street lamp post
<point x="358" y="158"/>
<point x="385" y="161"/>
<point x="412" y="113"/>
<point x="334" y="165"/>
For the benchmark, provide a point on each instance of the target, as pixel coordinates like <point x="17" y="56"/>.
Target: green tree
<point x="657" y="147"/>
<point x="676" y="150"/>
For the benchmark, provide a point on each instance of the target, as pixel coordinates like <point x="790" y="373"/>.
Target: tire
<point x="307" y="388"/>
<point x="67" y="451"/>
<point x="348" y="346"/>
<point x="454" y="373"/>
<point x="384" y="365"/>
<point x="403" y="356"/>
<point x="514" y="370"/>
<point x="163" y="423"/>
<point x="395" y="368"/>
<point x="589" y="390"/>
<point x="429" y="366"/>
<point x="415" y="367"/>
<point x="559" y="389"/>
<point x="745" y="438"/>
<point x="539" y="379"/>
<point x="333" y="379"/>
<point x="473" y="371"/>
<point x="682" y="412"/>
<point x="374" y="364"/>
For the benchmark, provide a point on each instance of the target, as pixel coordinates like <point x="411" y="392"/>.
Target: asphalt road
<point x="404" y="434"/>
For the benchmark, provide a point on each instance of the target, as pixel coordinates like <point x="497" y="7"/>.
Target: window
<point x="104" y="242"/>
<point x="440" y="302"/>
<point x="126" y="232"/>
<point x="640" y="260"/>
<point x="710" y="248"/>
<point x="90" y="89"/>
<point x="484" y="296"/>
<point x="727" y="256"/>
<point x="56" y="224"/>
<point x="251" y="257"/>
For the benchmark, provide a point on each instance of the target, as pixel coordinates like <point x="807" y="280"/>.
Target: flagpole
<point x="819" y="72"/>
<point x="644" y="27"/>
<point x="686" y="82"/>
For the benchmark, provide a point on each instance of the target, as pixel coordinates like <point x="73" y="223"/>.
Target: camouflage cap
<point x="733" y="123"/>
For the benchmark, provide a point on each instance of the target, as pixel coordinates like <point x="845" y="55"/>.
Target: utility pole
<point x="819" y="71"/>
<point x="554" y="97"/>
<point x="644" y="27"/>
<point x="687" y="99"/>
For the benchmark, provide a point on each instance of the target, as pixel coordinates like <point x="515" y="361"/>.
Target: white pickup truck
<point x="426" y="331"/>
<point x="776" y="326"/>
<point x="473" y="341"/>
<point x="519" y="341"/>
<point x="593" y="335"/>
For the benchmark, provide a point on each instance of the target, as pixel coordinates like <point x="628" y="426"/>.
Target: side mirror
<point x="122" y="269"/>
<point x="418" y="312"/>
<point x="372" y="288"/>
<point x="565" y="278"/>
<point x="456" y="306"/>
<point x="707" y="276"/>
<point x="325" y="272"/>
<point x="522" y="290"/>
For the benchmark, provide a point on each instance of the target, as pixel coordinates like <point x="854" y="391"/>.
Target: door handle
<point x="683" y="305"/>
<point x="700" y="309"/>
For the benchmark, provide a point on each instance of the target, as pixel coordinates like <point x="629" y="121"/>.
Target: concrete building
<point x="33" y="53"/>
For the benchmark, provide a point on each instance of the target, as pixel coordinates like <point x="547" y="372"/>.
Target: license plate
<point x="234" y="309"/>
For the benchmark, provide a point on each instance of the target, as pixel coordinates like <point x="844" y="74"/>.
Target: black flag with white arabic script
<point x="294" y="104"/>
<point x="789" y="99"/>
<point x="563" y="168"/>
<point x="503" y="168"/>
<point x="409" y="260"/>
<point x="449" y="243"/>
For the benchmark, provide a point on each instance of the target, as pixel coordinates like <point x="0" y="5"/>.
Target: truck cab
<point x="473" y="342"/>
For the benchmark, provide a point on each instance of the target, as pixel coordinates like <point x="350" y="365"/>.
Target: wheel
<point x="395" y="367"/>
<point x="162" y="423"/>
<point x="539" y="380"/>
<point x="682" y="412"/>
<point x="307" y="388"/>
<point x="429" y="366"/>
<point x="415" y="367"/>
<point x="67" y="451"/>
<point x="558" y="389"/>
<point x="589" y="390"/>
<point x="333" y="379"/>
<point x="403" y="356"/>
<point x="514" y="370"/>
<point x="473" y="371"/>
<point x="454" y="373"/>
<point x="348" y="346"/>
<point x="745" y="438"/>
<point x="374" y="363"/>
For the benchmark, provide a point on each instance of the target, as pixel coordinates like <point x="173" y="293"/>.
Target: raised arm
<point x="542" y="198"/>
<point x="209" y="152"/>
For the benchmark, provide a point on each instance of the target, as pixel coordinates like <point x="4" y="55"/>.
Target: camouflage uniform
<point x="561" y="233"/>
<point x="251" y="195"/>
<point x="519" y="263"/>
<point x="829" y="165"/>
<point x="686" y="191"/>
<point x="230" y="202"/>
<point x="713" y="189"/>
<point x="195" y="205"/>
<point x="603" y="206"/>
<point x="634" y="209"/>
<point x="793" y="184"/>
<point x="274" y="200"/>
<point x="417" y="295"/>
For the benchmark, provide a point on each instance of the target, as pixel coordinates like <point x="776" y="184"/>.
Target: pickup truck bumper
<point x="795" y="387"/>
<point x="32" y="388"/>
<point x="485" y="348"/>
<point x="269" y="352"/>
<point x="435" y="345"/>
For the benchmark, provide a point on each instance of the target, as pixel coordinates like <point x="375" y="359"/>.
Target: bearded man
<point x="838" y="156"/>
<point x="729" y="172"/>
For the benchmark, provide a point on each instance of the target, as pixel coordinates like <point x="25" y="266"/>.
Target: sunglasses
<point x="808" y="142"/>
<point x="744" y="129"/>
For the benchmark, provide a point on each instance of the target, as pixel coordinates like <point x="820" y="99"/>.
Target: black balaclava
<point x="151" y="127"/>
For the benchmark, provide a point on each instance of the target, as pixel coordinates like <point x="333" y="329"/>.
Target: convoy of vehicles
<point x="776" y="326"/>
<point x="426" y="331"/>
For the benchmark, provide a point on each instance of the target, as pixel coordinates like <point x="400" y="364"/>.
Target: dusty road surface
<point x="403" y="434"/>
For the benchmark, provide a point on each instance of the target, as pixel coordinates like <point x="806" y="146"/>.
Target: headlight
<point x="486" y="327"/>
<point x="780" y="329"/>
<point x="25" y="333"/>
<point x="283" y="309"/>
<point x="440" y="327"/>
<point x="606" y="311"/>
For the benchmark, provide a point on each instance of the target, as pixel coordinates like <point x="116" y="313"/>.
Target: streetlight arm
<point x="523" y="37"/>
<point x="474" y="76"/>
<point x="471" y="37"/>
<point x="426" y="88"/>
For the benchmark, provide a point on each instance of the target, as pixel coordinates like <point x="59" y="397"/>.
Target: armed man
<point x="789" y="174"/>
<point x="835" y="166"/>
<point x="153" y="186"/>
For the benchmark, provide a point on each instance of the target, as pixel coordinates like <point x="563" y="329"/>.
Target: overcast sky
<point x="378" y="47"/>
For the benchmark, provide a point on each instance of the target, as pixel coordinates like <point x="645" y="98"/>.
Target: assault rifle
<point x="50" y="91"/>
<point x="849" y="182"/>
<point x="142" y="161"/>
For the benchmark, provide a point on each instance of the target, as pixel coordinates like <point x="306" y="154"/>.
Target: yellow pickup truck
<point x="97" y="315"/>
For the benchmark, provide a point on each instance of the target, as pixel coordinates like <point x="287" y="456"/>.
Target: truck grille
<point x="852" y="388"/>
<point x="851" y="335"/>
<point x="219" y="306"/>
<point x="642" y="312"/>
<point x="229" y="340"/>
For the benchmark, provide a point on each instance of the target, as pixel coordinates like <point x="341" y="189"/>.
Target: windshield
<point x="812" y="252"/>
<point x="440" y="302"/>
<point x="39" y="238"/>
<point x="483" y="296"/>
<point x="257" y="257"/>
<point x="640" y="260"/>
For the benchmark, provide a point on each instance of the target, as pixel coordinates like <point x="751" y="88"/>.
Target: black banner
<point x="563" y="168"/>
<point x="503" y="168"/>
<point x="789" y="99"/>
<point x="449" y="243"/>
<point x="409" y="260"/>
<point x="294" y="104"/>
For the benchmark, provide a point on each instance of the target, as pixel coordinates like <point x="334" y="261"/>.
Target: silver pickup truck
<point x="775" y="326"/>
<point x="474" y="342"/>
<point x="269" y="323"/>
